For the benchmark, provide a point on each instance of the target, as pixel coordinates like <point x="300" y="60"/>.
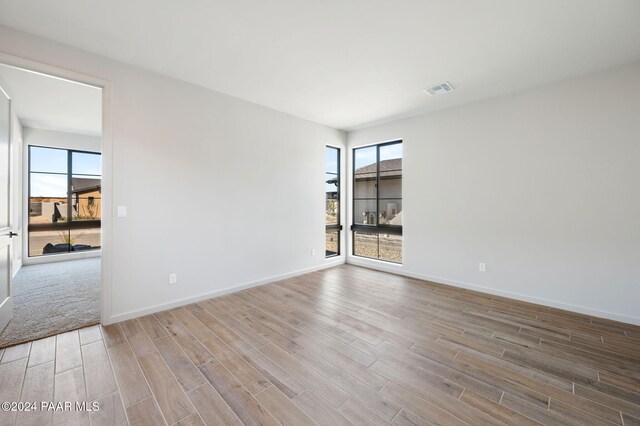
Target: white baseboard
<point x="385" y="267"/>
<point x="16" y="268"/>
<point x="398" y="269"/>
<point x="193" y="299"/>
<point x="379" y="265"/>
<point x="62" y="257"/>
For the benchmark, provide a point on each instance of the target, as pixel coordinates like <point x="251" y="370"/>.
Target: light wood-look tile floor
<point x="341" y="346"/>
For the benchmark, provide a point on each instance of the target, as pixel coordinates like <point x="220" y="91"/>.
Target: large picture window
<point x="332" y="201"/>
<point x="377" y="202"/>
<point x="65" y="188"/>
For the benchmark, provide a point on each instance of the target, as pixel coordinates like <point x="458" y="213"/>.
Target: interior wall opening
<point x="56" y="205"/>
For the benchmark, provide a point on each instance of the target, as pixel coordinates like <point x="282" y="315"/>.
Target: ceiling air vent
<point x="439" y="89"/>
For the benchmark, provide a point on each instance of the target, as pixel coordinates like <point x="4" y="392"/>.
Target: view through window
<point x="65" y="188"/>
<point x="332" y="201"/>
<point x="377" y="202"/>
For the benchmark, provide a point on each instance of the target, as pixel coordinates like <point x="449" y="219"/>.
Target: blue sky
<point x="330" y="159"/>
<point x="331" y="165"/>
<point x="55" y="161"/>
<point x="366" y="156"/>
<point x="363" y="157"/>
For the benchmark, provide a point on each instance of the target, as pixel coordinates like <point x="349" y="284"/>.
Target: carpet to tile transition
<point x="53" y="298"/>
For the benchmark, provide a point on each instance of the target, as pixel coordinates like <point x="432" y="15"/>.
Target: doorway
<point x="56" y="196"/>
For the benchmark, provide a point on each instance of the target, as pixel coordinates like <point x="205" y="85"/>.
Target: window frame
<point x="68" y="225"/>
<point x="377" y="228"/>
<point x="338" y="226"/>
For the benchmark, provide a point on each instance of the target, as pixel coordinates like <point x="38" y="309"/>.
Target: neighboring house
<point x="390" y="208"/>
<point x="85" y="203"/>
<point x="85" y="198"/>
<point x="46" y="210"/>
<point x="331" y="200"/>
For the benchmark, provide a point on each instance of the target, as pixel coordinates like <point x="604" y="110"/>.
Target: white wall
<point x="64" y="140"/>
<point x="220" y="191"/>
<point x="543" y="186"/>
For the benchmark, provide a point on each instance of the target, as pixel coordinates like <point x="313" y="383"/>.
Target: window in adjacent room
<point x="377" y="202"/>
<point x="65" y="188"/>
<point x="332" y="201"/>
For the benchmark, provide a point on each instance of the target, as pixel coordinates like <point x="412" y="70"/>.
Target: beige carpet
<point x="53" y="298"/>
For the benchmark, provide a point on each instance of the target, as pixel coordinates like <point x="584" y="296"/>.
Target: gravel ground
<point x="390" y="247"/>
<point x="367" y="246"/>
<point x="331" y="243"/>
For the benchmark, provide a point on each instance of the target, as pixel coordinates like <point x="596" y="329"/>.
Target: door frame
<point x="6" y="305"/>
<point x="107" y="166"/>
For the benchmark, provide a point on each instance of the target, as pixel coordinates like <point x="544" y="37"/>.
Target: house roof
<point x="388" y="169"/>
<point x="83" y="185"/>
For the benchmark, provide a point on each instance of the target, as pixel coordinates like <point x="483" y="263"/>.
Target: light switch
<point x="122" y="211"/>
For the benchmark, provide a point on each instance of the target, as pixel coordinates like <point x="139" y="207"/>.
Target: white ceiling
<point x="347" y="63"/>
<point x="50" y="103"/>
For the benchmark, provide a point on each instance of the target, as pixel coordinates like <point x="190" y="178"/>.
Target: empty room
<point x="320" y="213"/>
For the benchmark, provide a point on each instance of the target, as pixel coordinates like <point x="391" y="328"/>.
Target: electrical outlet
<point x="313" y="252"/>
<point x="122" y="211"/>
<point x="173" y="278"/>
<point x="482" y="267"/>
